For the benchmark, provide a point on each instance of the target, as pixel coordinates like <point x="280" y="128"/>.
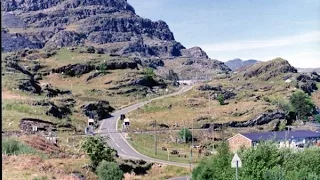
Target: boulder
<point x="139" y="167"/>
<point x="75" y="69"/>
<point x="58" y="112"/>
<point x="97" y="110"/>
<point x="146" y="81"/>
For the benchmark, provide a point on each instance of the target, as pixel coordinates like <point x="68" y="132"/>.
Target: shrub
<point x="109" y="171"/>
<point x="302" y="104"/>
<point x="317" y="118"/>
<point x="12" y="146"/>
<point x="185" y="134"/>
<point x="98" y="150"/>
<point x="220" y="98"/>
<point x="91" y="49"/>
<point x="148" y="72"/>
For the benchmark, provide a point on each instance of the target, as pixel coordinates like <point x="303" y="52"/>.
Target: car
<point x="174" y="152"/>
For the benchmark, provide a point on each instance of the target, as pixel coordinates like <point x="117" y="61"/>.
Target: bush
<point x="109" y="171"/>
<point x="220" y="98"/>
<point x="12" y="146"/>
<point x="185" y="134"/>
<point x="302" y="104"/>
<point x="266" y="162"/>
<point x="91" y="49"/>
<point x="148" y="72"/>
<point x="98" y="150"/>
<point x="317" y="118"/>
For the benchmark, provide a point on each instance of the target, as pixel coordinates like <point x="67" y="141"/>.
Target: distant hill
<point x="269" y="69"/>
<point x="304" y="70"/>
<point x="238" y="64"/>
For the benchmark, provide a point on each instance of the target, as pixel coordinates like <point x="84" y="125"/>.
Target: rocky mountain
<point x="110" y="25"/>
<point x="238" y="64"/>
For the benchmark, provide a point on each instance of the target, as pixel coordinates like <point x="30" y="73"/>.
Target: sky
<point x="245" y="29"/>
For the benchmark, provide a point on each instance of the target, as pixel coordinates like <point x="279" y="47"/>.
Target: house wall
<point x="238" y="141"/>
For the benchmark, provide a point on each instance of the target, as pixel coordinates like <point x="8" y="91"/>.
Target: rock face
<point x="110" y="25"/>
<point x="59" y="23"/>
<point x="97" y="110"/>
<point x="269" y="69"/>
<point x="238" y="64"/>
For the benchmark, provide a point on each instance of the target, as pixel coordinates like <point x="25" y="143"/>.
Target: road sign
<point x="236" y="161"/>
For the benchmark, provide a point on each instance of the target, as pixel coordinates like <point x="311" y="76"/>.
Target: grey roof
<point x="280" y="135"/>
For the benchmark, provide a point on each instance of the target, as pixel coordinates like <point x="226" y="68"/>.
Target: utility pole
<point x="209" y="104"/>
<point x="155" y="137"/>
<point x="184" y="132"/>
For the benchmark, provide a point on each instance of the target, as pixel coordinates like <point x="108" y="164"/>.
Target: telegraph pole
<point x="209" y="103"/>
<point x="155" y="137"/>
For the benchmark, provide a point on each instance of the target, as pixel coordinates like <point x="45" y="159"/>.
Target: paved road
<point x="118" y="142"/>
<point x="181" y="178"/>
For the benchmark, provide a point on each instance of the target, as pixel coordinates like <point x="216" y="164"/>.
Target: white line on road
<point x="117" y="145"/>
<point x="123" y="151"/>
<point x="111" y="137"/>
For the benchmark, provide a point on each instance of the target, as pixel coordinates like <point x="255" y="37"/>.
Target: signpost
<point x="236" y="163"/>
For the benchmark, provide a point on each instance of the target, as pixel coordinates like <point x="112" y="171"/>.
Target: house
<point x="295" y="138"/>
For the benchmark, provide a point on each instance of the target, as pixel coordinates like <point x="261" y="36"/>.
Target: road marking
<point x="111" y="137"/>
<point x="117" y="145"/>
<point x="123" y="151"/>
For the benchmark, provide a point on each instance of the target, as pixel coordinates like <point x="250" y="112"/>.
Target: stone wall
<point x="237" y="141"/>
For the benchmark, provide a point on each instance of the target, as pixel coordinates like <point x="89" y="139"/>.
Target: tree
<point x="317" y="118"/>
<point x="216" y="167"/>
<point x="220" y="98"/>
<point x="301" y="104"/>
<point x="148" y="72"/>
<point x="98" y="150"/>
<point x="109" y="171"/>
<point x="185" y="134"/>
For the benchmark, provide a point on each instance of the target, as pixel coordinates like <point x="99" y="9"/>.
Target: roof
<point x="126" y="120"/>
<point x="280" y="135"/>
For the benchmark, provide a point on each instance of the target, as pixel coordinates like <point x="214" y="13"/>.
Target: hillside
<point x="111" y="26"/>
<point x="238" y="64"/>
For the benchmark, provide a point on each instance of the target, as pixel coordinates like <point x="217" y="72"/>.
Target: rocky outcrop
<point x="153" y="63"/>
<point x="30" y="85"/>
<point x="216" y="90"/>
<point x="308" y="82"/>
<point x="53" y="92"/>
<point x="75" y="69"/>
<point x="269" y="69"/>
<point x="58" y="112"/>
<point x="207" y="87"/>
<point x="26" y="125"/>
<point x="97" y="110"/>
<point x="264" y="118"/>
<point x="120" y="64"/>
<point x="146" y="81"/>
<point x="194" y="52"/>
<point x="139" y="167"/>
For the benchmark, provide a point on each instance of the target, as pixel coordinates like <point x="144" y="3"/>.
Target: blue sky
<point x="246" y="29"/>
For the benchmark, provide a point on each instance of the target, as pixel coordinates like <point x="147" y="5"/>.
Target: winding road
<point x="116" y="140"/>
